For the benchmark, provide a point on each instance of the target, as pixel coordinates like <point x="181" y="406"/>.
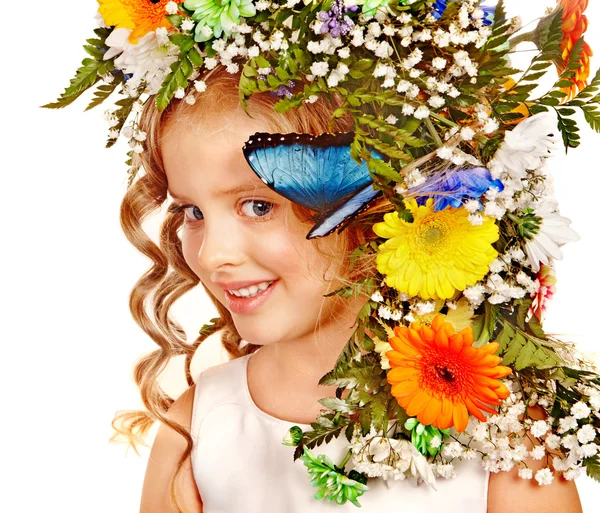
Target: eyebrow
<point x="250" y="187"/>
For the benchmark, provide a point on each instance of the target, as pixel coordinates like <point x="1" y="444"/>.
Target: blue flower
<point x="453" y="186"/>
<point x="487" y="6"/>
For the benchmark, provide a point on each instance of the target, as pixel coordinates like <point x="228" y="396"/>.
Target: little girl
<point x="360" y="188"/>
<point x="219" y="447"/>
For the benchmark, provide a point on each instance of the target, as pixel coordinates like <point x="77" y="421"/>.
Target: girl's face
<point x="242" y="239"/>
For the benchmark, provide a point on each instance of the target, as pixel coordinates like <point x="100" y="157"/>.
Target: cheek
<point x="298" y="262"/>
<point x="189" y="248"/>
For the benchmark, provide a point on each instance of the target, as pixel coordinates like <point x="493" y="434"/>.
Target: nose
<point x="222" y="245"/>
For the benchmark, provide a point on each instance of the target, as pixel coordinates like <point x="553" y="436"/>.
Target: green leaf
<point x="122" y="113"/>
<point x="181" y="71"/>
<point x="525" y="355"/>
<point x="568" y="129"/>
<point x="592" y="467"/>
<point x="505" y="336"/>
<point x="322" y="431"/>
<point x="102" y="92"/>
<point x="365" y="420"/>
<point x="335" y="404"/>
<point x="211" y="327"/>
<point x="513" y="349"/>
<point x="592" y="116"/>
<point x="175" y="19"/>
<point x="485" y="325"/>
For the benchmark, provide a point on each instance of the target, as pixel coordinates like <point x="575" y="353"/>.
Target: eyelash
<point x="181" y="208"/>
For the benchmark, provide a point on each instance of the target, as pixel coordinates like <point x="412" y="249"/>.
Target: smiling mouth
<point x="251" y="291"/>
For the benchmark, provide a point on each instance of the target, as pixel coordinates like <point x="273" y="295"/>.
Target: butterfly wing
<point x="346" y="211"/>
<point x="317" y="172"/>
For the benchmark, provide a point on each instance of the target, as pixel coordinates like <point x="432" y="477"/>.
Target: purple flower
<point x="335" y="22"/>
<point x="454" y="185"/>
<point x="286" y="90"/>
<point x="487" y="6"/>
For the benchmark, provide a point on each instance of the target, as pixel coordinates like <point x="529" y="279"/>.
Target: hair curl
<point x="169" y="277"/>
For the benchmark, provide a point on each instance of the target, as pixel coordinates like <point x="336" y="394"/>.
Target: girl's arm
<point x="165" y="454"/>
<point x="508" y="493"/>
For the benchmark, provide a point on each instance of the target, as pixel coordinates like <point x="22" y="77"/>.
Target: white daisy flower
<point x="554" y="231"/>
<point x="147" y="61"/>
<point x="524" y="147"/>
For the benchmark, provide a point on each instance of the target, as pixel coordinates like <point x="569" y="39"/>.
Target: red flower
<point x="546" y="281"/>
<point x="575" y="24"/>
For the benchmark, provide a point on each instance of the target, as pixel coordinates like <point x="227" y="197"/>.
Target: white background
<point x="69" y="341"/>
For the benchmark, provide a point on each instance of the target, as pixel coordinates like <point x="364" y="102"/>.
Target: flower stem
<point x="443" y="120"/>
<point x="345" y="460"/>
<point x="521" y="38"/>
<point x="433" y="132"/>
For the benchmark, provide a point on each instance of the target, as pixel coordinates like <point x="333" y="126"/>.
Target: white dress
<point x="241" y="466"/>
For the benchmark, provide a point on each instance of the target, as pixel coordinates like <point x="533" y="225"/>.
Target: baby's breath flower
<point x="538" y="452"/>
<point x="319" y="69"/>
<point x="566" y="424"/>
<point x="408" y="110"/>
<point x="377" y="297"/>
<point x="171" y="8"/>
<point x="439" y="63"/>
<point x="187" y="25"/>
<point x="580" y="410"/>
<point x="444" y="153"/>
<point x="525" y="473"/>
<point x="544" y="476"/>
<point x="586" y="434"/>
<point x="200" y="85"/>
<point x="422" y="112"/>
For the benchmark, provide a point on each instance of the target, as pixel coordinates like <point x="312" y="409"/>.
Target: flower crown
<point x="465" y="260"/>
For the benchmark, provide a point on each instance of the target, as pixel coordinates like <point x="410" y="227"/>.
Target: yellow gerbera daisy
<point x="438" y="253"/>
<point x="140" y="16"/>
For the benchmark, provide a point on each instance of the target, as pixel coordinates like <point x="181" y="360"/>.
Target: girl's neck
<point x="283" y="377"/>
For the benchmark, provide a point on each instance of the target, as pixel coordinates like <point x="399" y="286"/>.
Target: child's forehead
<point x="225" y="189"/>
<point x="213" y="154"/>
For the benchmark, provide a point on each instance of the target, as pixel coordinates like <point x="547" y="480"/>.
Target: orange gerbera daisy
<point x="575" y="24"/>
<point x="439" y="377"/>
<point x="141" y="16"/>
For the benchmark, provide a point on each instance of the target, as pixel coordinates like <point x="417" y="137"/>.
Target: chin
<point x="264" y="334"/>
<point x="257" y="333"/>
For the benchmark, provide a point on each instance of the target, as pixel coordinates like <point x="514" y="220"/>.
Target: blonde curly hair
<point x="169" y="277"/>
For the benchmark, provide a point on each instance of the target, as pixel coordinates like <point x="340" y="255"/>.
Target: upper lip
<point x="235" y="285"/>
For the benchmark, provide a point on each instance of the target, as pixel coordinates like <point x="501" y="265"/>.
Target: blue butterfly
<point x="316" y="172"/>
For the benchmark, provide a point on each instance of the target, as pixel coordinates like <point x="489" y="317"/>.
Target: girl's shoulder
<point x="220" y="384"/>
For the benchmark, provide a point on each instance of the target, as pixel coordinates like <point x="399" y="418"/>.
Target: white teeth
<point x="252" y="290"/>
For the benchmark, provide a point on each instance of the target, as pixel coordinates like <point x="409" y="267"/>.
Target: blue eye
<point x="195" y="211"/>
<point x="256" y="208"/>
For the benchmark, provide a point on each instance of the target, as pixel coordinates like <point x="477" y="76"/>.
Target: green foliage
<point x="211" y="327"/>
<point x="592" y="467"/>
<point x="549" y="52"/>
<point x="181" y="70"/>
<point x="484" y="325"/>
<point x="335" y="404"/>
<point x="568" y="129"/>
<point x="90" y="72"/>
<point x="334" y="485"/>
<point x="522" y="350"/>
<point x="122" y="113"/>
<point x="102" y="92"/>
<point x="364" y="373"/>
<point x="327" y="427"/>
<point x="364" y="286"/>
